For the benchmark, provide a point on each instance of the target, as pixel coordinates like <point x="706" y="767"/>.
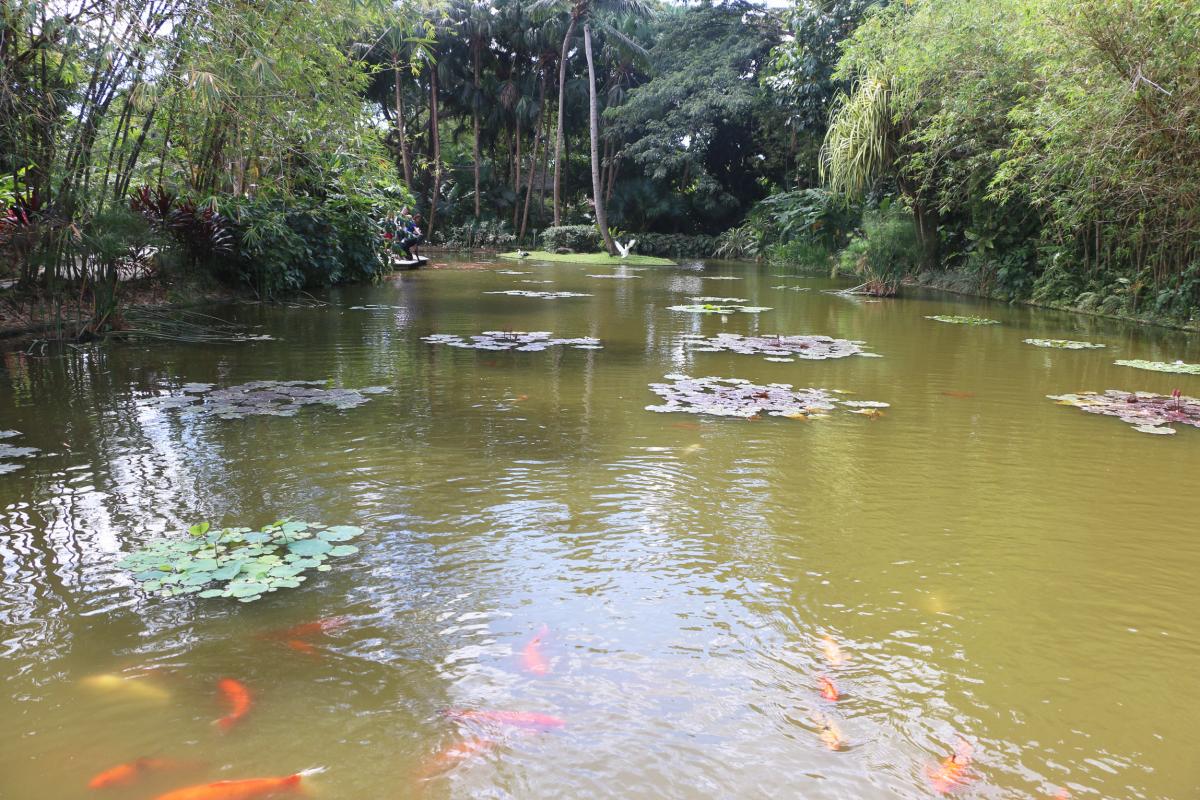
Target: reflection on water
<point x="996" y="573"/>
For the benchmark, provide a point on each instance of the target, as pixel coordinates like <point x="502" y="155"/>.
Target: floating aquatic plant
<point x="813" y="348"/>
<point x="238" y="562"/>
<point x="1177" y="367"/>
<point x="375" y="307"/>
<point x="721" y="300"/>
<point x="734" y="397"/>
<point x="531" y="342"/>
<point x="1145" y="411"/>
<point x="793" y="288"/>
<point x="535" y="281"/>
<point x="616" y="277"/>
<point x="8" y="451"/>
<point x="959" y="320"/>
<point x="713" y="308"/>
<point x="543" y="295"/>
<point x="264" y="398"/>
<point x="719" y="278"/>
<point x="1063" y="344"/>
<point x="510" y="272"/>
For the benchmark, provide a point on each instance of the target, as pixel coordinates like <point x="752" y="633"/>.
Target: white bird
<point x="625" y="249"/>
<point x="522" y="254"/>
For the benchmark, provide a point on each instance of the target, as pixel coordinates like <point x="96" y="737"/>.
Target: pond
<point x="559" y="593"/>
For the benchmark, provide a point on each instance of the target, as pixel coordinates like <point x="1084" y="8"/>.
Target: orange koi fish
<point x="951" y="773"/>
<point x="517" y="719"/>
<point x="830" y="734"/>
<point x="238" y="697"/>
<point x="833" y="653"/>
<point x="307" y="629"/>
<point x="829" y="690"/>
<point x="127" y="774"/>
<point x="455" y="754"/>
<point x="959" y="395"/>
<point x="532" y="657"/>
<point x="241" y="790"/>
<point x="302" y="646"/>
<point x="1064" y="794"/>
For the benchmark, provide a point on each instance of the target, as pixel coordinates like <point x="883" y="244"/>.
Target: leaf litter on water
<point x="524" y="341"/>
<point x="735" y="397"/>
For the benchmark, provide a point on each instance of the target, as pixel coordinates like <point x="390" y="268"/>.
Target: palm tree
<point x="589" y="13"/>
<point x="474" y="20"/>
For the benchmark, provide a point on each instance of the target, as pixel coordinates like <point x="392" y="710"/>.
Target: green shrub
<point x="674" y="245"/>
<point x="742" y="242"/>
<point x="576" y="238"/>
<point x="802" y="252"/>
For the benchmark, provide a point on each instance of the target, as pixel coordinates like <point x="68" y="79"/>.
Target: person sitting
<point x="412" y="234"/>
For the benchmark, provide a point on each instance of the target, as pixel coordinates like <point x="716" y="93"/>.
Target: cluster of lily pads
<point x="715" y="308"/>
<point x="955" y="319"/>
<point x="1064" y="344"/>
<point x="8" y="451"/>
<point x="241" y="563"/>
<point x="735" y="397"/>
<point x="616" y="277"/>
<point x="1145" y="411"/>
<point x="793" y="288"/>
<point x="543" y="295"/>
<point x="262" y="398"/>
<point x="525" y="341"/>
<point x="779" y="348"/>
<point x="1177" y="367"/>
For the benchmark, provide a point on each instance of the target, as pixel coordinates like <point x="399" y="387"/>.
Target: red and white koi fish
<point x="829" y="690"/>
<point x="518" y="719"/>
<point x="242" y="790"/>
<point x="531" y="656"/>
<point x="832" y="652"/>
<point x="237" y="696"/>
<point x="130" y="772"/>
<point x="951" y="773"/>
<point x="830" y="733"/>
<point x="454" y="754"/>
<point x="1063" y="793"/>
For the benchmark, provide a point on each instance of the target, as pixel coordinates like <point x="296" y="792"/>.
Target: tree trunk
<point x="533" y="163"/>
<point x="475" y="115"/>
<point x="594" y="115"/>
<point x="400" y="132"/>
<point x="436" y="142"/>
<point x="517" y="173"/>
<point x="558" y="144"/>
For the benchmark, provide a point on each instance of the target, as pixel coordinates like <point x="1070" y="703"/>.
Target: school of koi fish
<point x="481" y="731"/>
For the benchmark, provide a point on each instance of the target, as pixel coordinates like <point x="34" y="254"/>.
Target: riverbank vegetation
<point x="1032" y="149"/>
<point x="1037" y="148"/>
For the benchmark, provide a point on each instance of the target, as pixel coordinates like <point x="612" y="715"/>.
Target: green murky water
<point x="994" y="567"/>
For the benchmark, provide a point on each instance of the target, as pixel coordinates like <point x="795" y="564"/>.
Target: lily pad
<point x="1177" y="367"/>
<point x="310" y="547"/>
<point x="529" y="342"/>
<point x="960" y="320"/>
<point x="1145" y="411"/>
<point x="238" y="562"/>
<point x="733" y="397"/>
<point x="812" y="348"/>
<point x="1063" y="344"/>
